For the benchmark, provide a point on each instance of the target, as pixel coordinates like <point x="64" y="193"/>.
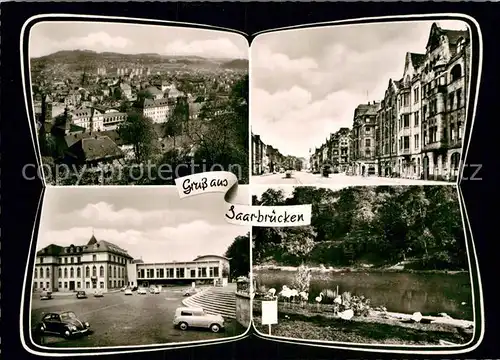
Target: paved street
<point x="117" y="319"/>
<point x="306" y="178"/>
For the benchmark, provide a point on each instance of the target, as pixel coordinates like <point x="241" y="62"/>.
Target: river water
<point x="428" y="293"/>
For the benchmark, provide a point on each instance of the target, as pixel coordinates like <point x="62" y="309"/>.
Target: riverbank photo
<point x="381" y="265"/>
<point x="138" y="266"/>
<point x="367" y="104"/>
<point x="134" y="104"/>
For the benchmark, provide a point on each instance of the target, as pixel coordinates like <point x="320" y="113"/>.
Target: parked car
<point x="152" y="289"/>
<point x="81" y="295"/>
<point x="190" y="291"/>
<point x="155" y="290"/>
<point x="186" y="317"/>
<point x="98" y="293"/>
<point x="123" y="288"/>
<point x="142" y="291"/>
<point x="64" y="323"/>
<point x="46" y="295"/>
<point x="128" y="292"/>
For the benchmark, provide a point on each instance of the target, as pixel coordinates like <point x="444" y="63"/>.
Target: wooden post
<point x="338" y="290"/>
<point x="269" y="329"/>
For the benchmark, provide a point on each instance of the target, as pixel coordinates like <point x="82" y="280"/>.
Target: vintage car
<point x="98" y="293"/>
<point x="128" y="292"/>
<point x="81" y="295"/>
<point x="64" y="323"/>
<point x="142" y="291"/>
<point x="190" y="291"/>
<point x="191" y="317"/>
<point x="123" y="288"/>
<point x="154" y="290"/>
<point x="45" y="295"/>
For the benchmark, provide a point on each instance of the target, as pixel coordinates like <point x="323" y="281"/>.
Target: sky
<point x="306" y="83"/>
<point x="151" y="223"/>
<point x="49" y="37"/>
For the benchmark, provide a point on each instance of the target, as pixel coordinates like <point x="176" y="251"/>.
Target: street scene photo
<point x="130" y="104"/>
<point x="381" y="265"/>
<point x="121" y="266"/>
<point x="365" y="104"/>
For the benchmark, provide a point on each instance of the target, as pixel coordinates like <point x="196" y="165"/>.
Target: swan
<point x="347" y="314"/>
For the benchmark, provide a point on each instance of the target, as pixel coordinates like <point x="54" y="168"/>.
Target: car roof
<point x="190" y="308"/>
<point x="59" y="312"/>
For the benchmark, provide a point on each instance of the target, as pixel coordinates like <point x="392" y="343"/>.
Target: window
<point x="160" y="273"/>
<point x="399" y="144"/>
<point x="114" y="283"/>
<point x="87" y="271"/>
<point x="459" y="125"/>
<point x="368" y="152"/>
<point x="65" y="284"/>
<point x="78" y="285"/>
<point x="87" y="284"/>
<point x="35" y="285"/>
<point x="65" y="273"/>
<point x="47" y="285"/>
<point x="79" y="260"/>
<point x="416" y="141"/>
<point x="211" y="272"/>
<point x="455" y="73"/>
<point x="406" y="120"/>
<point x="450" y="101"/>
<point x="60" y="284"/>
<point x="60" y="272"/>
<point x="416" y="119"/>
<point x="65" y="260"/>
<point x="110" y="271"/>
<point x="101" y="284"/>
<point x="202" y="272"/>
<point x="216" y="271"/>
<point x="406" y="142"/>
<point x="59" y="260"/>
<point x="367" y="142"/>
<point x="459" y="98"/>
<point x="94" y="257"/>
<point x="94" y="271"/>
<point x="110" y="284"/>
<point x="368" y="130"/>
<point x="72" y="259"/>
<point x="416" y="93"/>
<point x="71" y="273"/>
<point x="179" y="273"/>
<point x="36" y="274"/>
<point x="150" y="273"/>
<point x="186" y="313"/>
<point x="101" y="271"/>
<point x="78" y="272"/>
<point x="41" y="260"/>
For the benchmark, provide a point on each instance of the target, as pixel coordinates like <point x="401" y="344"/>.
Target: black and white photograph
<point x="365" y="104"/>
<point x="122" y="266"/>
<point x="133" y="104"/>
<point x="384" y="265"/>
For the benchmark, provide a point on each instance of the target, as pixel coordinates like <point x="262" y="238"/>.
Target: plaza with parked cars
<point x="126" y="318"/>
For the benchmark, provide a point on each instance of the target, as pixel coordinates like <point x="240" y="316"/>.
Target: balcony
<point x="404" y="151"/>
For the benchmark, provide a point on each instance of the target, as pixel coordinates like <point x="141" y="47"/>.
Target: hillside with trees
<point x="381" y="226"/>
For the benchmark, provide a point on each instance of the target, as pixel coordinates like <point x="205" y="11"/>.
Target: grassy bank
<point x="362" y="330"/>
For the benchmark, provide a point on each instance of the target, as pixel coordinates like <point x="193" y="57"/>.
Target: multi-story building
<point x="257" y="154"/>
<point x="95" y="265"/>
<point x="363" y="140"/>
<point x="386" y="131"/>
<point x="206" y="268"/>
<point x="95" y="119"/>
<point x="408" y="126"/>
<point x="444" y="78"/>
<point x="156" y="109"/>
<point x="102" y="265"/>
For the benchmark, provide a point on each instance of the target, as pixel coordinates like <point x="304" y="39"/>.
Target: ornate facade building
<point x="95" y="265"/>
